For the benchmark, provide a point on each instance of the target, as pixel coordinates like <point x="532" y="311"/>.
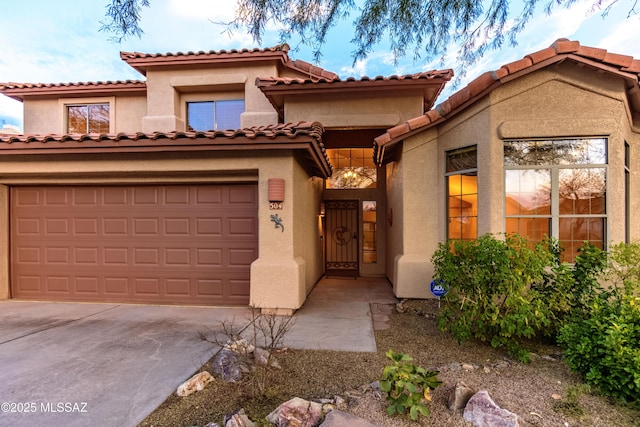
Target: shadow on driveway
<point x="66" y="364"/>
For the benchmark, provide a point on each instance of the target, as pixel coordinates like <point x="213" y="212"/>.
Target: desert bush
<point x="605" y="347"/>
<point x="603" y="343"/>
<point x="494" y="290"/>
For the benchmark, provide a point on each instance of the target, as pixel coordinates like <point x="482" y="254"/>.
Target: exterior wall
<point x="566" y="101"/>
<point x="47" y="116"/>
<point x="288" y="264"/>
<point x="353" y="110"/>
<point x="129" y="111"/>
<point x="290" y="259"/>
<point x="572" y="102"/>
<point x="412" y="197"/>
<point x="168" y="90"/>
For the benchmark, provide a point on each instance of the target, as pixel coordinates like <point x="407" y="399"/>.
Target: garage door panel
<point x="160" y="244"/>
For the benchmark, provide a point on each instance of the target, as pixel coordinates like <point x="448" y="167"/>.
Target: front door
<point x="342" y="242"/>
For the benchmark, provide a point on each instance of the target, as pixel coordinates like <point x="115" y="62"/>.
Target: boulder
<point x="341" y="419"/>
<point x="229" y="365"/>
<point x="459" y="396"/>
<point x="482" y="411"/>
<point x="296" y="412"/>
<point x="196" y="383"/>
<point x="238" y="419"/>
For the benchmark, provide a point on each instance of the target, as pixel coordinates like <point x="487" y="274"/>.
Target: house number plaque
<point x="275" y="206"/>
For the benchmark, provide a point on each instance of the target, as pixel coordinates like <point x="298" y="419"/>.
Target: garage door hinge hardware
<point x="277" y="221"/>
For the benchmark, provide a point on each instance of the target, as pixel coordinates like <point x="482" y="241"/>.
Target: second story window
<point x="88" y="118"/>
<point x="214" y="115"/>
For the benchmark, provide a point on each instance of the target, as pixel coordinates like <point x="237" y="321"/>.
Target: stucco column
<point x="419" y="218"/>
<point x="277" y="276"/>
<point x="4" y="242"/>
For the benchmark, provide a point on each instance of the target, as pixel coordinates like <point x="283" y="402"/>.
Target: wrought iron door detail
<point x="342" y="244"/>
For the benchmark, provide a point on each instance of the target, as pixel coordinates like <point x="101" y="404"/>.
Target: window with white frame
<point x="462" y="193"/>
<point x="557" y="188"/>
<point x="214" y="115"/>
<point x="88" y="118"/>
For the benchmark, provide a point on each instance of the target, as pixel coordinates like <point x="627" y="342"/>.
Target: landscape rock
<point x="342" y="419"/>
<point x="212" y="425"/>
<point x="241" y="346"/>
<point x="296" y="412"/>
<point x="459" y="396"/>
<point x="196" y="383"/>
<point x="229" y="366"/>
<point x="261" y="357"/>
<point x="238" y="419"/>
<point x="482" y="411"/>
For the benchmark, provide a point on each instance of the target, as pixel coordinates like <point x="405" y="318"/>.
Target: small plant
<point x="570" y="405"/>
<point x="408" y="386"/>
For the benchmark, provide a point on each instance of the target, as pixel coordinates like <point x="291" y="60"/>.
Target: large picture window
<point x="462" y="194"/>
<point x="214" y="115"/>
<point x="88" y="118"/>
<point x="557" y="188"/>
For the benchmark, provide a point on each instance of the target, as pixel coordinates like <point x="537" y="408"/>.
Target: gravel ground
<point x="538" y="392"/>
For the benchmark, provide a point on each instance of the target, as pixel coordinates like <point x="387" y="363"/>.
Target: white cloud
<point x="624" y="38"/>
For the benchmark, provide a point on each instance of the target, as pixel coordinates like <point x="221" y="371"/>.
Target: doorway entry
<point x="342" y="239"/>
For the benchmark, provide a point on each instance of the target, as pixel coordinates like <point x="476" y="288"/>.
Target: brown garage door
<point x="153" y="244"/>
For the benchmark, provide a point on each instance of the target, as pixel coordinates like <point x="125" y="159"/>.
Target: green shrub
<point x="408" y="387"/>
<point x="494" y="290"/>
<point x="605" y="347"/>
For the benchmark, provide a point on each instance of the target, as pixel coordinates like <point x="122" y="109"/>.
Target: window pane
<point x="462" y="206"/>
<point x="574" y="231"/>
<point x="462" y="159"/>
<point x="528" y="192"/>
<point x="534" y="229"/>
<point x="228" y="114"/>
<point x="582" y="191"/>
<point x="200" y="116"/>
<point x="77" y="119"/>
<point x="352" y="168"/>
<point x="369" y="218"/>
<point x="98" y="118"/>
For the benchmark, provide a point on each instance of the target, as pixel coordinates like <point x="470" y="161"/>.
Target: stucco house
<point x="243" y="177"/>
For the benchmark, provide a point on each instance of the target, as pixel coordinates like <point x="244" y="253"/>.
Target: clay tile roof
<point x="306" y="136"/>
<point x="430" y="82"/>
<point x="562" y="49"/>
<point x="20" y="90"/>
<point x="141" y="61"/>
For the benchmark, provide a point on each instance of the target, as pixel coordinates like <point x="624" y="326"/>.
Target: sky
<point x="45" y="41"/>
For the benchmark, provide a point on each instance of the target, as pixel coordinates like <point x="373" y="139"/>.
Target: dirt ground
<point x="543" y="393"/>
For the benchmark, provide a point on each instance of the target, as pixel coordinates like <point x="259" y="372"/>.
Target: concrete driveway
<point x="98" y="364"/>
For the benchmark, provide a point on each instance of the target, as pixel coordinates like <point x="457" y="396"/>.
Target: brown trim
<point x="19" y="91"/>
<point x="308" y="142"/>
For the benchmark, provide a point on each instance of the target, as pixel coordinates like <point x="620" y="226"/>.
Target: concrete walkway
<point x="337" y="315"/>
<point x="76" y="364"/>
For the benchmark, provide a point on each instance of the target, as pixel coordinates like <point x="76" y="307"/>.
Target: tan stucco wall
<point x="129" y="112"/>
<point x="290" y="259"/>
<point x="168" y="90"/>
<point x="412" y="194"/>
<point x="348" y="110"/>
<point x="566" y="102"/>
<point x="47" y="116"/>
